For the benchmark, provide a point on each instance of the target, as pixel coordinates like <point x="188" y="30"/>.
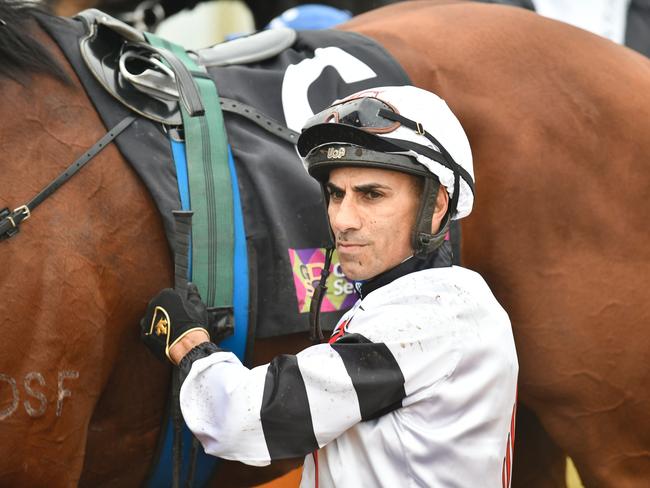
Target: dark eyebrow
<point x="368" y="187"/>
<point x="332" y="187"/>
<point x="365" y="188"/>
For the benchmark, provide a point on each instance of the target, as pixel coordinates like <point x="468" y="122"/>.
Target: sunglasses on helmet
<point x="368" y="113"/>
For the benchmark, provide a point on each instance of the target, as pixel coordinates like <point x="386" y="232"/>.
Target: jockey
<point x="417" y="384"/>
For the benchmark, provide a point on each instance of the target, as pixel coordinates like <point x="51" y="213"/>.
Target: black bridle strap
<point x="9" y="221"/>
<point x="316" y="334"/>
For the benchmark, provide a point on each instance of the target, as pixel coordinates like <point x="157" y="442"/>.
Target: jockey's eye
<point x="335" y="193"/>
<point x="373" y="195"/>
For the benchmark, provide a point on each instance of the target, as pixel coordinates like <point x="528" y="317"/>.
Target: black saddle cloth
<point x="282" y="205"/>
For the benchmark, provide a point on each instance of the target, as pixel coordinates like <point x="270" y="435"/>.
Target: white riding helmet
<point x="402" y="128"/>
<point x="429" y="115"/>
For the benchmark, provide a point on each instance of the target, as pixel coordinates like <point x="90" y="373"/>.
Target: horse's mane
<point x="20" y="53"/>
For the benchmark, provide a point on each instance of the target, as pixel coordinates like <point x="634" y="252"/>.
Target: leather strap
<point x="11" y="220"/>
<point x="265" y="122"/>
<point x="211" y="200"/>
<point x="185" y="73"/>
<point x="210" y="189"/>
<point x="316" y="334"/>
<point x="183" y="231"/>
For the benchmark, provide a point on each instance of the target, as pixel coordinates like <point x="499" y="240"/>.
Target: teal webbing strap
<point x="210" y="189"/>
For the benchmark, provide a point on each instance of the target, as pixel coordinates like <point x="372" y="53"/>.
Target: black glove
<point x="169" y="317"/>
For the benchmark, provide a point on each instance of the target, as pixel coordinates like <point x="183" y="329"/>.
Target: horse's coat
<point x="558" y="121"/>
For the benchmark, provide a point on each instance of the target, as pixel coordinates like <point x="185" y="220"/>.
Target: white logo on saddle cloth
<point x="299" y="77"/>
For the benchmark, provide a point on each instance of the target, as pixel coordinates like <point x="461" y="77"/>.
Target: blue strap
<point x="205" y="464"/>
<point x="237" y="342"/>
<point x="178" y="152"/>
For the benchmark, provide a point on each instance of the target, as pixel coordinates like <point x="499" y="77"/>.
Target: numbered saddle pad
<point x="284" y="215"/>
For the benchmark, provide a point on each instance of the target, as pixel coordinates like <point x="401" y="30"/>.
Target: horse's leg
<point x="74" y="283"/>
<point x="538" y="463"/>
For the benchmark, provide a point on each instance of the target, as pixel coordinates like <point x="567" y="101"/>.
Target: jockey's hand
<point x="171" y="316"/>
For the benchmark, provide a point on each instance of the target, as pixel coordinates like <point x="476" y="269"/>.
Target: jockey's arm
<point x="299" y="403"/>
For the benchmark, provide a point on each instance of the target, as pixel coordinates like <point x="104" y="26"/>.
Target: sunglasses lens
<point x="361" y="112"/>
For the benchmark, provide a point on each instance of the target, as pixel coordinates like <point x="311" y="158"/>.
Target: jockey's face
<point x="372" y="213"/>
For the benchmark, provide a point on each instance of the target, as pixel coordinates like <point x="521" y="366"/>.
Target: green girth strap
<point x="210" y="188"/>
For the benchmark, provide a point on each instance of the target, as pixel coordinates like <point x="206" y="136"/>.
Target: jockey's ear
<point x="442" y="203"/>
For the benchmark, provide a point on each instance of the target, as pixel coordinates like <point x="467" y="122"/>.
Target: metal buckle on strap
<point x="9" y="221"/>
<point x="24" y="209"/>
<point x="19" y="215"/>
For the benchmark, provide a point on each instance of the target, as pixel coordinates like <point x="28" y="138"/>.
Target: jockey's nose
<point x="344" y="214"/>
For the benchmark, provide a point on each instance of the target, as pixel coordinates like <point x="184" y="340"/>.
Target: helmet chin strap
<point x="427" y="243"/>
<point x="424" y="242"/>
<point x="316" y="335"/>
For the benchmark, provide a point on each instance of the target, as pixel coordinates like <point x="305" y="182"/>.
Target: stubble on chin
<point x="351" y="267"/>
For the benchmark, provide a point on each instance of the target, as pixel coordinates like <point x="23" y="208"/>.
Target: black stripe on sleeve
<point x="376" y="376"/>
<point x="285" y="415"/>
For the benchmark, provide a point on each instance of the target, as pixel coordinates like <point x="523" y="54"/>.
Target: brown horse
<point x="558" y="120"/>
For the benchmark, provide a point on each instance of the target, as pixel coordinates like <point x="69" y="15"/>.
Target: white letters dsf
<point x="35" y="402"/>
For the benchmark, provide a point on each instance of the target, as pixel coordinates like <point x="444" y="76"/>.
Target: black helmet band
<point x="326" y="157"/>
